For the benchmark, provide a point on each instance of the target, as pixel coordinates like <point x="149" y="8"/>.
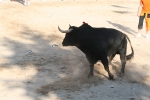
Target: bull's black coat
<point x="98" y="44"/>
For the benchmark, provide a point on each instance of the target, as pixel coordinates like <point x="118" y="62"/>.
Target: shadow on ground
<point x="123" y="28"/>
<point x="56" y="68"/>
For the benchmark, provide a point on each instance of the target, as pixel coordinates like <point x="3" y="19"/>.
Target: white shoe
<point x="25" y="3"/>
<point x="0" y="1"/>
<point x="147" y="36"/>
<point x="28" y="3"/>
<point x="138" y="35"/>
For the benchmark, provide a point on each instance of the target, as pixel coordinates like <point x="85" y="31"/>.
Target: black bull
<point x="98" y="44"/>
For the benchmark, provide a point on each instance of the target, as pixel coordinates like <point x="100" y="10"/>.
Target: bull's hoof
<point x="89" y="76"/>
<point x="111" y="77"/>
<point x="121" y="74"/>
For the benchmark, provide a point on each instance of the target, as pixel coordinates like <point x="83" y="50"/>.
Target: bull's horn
<point x="64" y="31"/>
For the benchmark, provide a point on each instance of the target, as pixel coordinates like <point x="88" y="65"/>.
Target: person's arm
<point x="139" y="9"/>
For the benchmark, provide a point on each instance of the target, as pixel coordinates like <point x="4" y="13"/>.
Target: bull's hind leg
<point x="111" y="58"/>
<point x="123" y="57"/>
<point x="105" y="63"/>
<point x="123" y="62"/>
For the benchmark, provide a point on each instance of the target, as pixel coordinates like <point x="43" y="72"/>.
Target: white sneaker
<point x="147" y="36"/>
<point x="28" y="3"/>
<point x="25" y="3"/>
<point x="138" y="35"/>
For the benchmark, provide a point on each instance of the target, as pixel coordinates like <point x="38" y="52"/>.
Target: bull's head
<point x="70" y="37"/>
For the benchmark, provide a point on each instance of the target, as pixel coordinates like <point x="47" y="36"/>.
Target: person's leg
<point x="147" y="26"/>
<point x="140" y="25"/>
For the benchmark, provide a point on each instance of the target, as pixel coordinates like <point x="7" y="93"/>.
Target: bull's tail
<point x="128" y="57"/>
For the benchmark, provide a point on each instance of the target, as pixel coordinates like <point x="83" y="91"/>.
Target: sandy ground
<point x="35" y="66"/>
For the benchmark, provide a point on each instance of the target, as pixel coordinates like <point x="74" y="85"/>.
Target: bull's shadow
<point x="123" y="28"/>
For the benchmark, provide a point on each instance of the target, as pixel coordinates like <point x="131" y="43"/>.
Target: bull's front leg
<point x="91" y="71"/>
<point x="111" y="76"/>
<point x="91" y="61"/>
